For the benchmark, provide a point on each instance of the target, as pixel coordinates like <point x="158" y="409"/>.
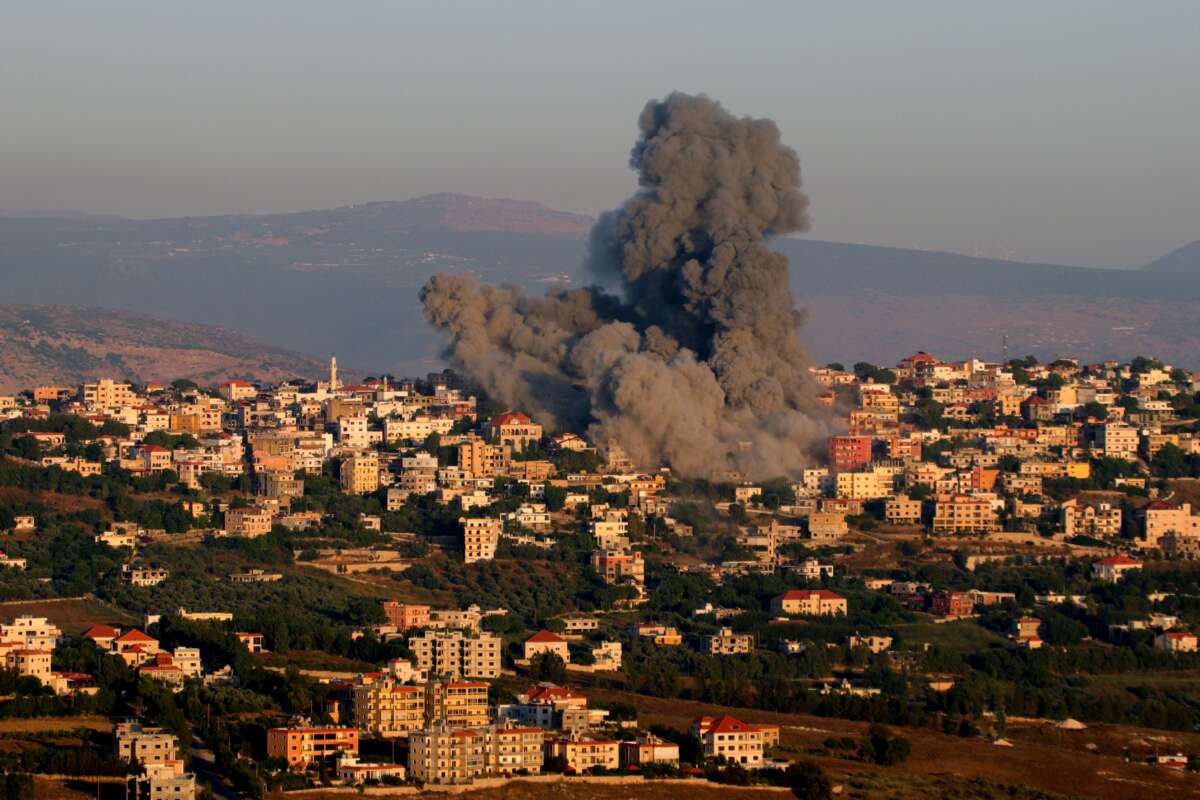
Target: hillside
<point x="71" y="344"/>
<point x="1185" y="259"/>
<point x="345" y="280"/>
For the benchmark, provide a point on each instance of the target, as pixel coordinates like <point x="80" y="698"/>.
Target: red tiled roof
<point x="101" y="632"/>
<point x="804" y="594"/>
<point x="135" y="636"/>
<point x="728" y="724"/>
<point x="510" y="417"/>
<point x="548" y="694"/>
<point x="1118" y="561"/>
<point x="544" y="637"/>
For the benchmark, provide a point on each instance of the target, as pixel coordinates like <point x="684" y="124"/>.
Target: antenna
<point x="1006" y="348"/>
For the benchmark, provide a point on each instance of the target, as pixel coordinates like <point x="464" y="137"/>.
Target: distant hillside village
<point x="325" y="567"/>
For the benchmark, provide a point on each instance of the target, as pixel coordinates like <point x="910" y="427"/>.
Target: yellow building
<point x="360" y="473"/>
<point x="481" y="536"/>
<point x="961" y="513"/>
<point x="387" y="708"/>
<point x="443" y="754"/>
<point x="459" y="704"/>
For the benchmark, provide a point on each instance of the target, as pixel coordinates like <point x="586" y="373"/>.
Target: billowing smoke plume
<point x="696" y="362"/>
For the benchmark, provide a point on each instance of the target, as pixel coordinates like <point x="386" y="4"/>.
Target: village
<point x="1036" y="510"/>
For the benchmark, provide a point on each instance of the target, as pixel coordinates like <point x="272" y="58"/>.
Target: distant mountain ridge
<point x="1185" y="259"/>
<point x="72" y="344"/>
<point x="345" y="281"/>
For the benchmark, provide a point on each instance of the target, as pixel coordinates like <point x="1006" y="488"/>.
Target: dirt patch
<point x="72" y="615"/>
<point x="43" y="724"/>
<point x="1047" y="762"/>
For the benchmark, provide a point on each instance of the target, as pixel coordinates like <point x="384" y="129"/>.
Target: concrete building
<point x="388" y="709"/>
<point x="581" y="752"/>
<point x="818" y="602"/>
<point x="457" y="654"/>
<point x="249" y="521"/>
<point x="547" y="642"/>
<point x="727" y="643"/>
<point x="964" y="513"/>
<point x="443" y="754"/>
<point x="303" y="745"/>
<point x="145" y="744"/>
<point x="481" y="536"/>
<point x="619" y="566"/>
<point x="359" y="473"/>
<point x="736" y="741"/>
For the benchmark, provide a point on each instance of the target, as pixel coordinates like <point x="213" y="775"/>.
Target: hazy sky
<point x="1042" y="131"/>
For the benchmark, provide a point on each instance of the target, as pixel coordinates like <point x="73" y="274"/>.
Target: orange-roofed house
<point x="102" y="636"/>
<point x="135" y="647"/>
<point x="819" y="602"/>
<point x="738" y="742"/>
<point x="547" y="642"/>
<point x="237" y="390"/>
<point x="1113" y="568"/>
<point x="514" y="430"/>
<point x="162" y="667"/>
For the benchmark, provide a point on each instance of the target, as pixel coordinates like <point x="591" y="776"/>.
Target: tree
<point x="1170" y="462"/>
<point x="808" y="781"/>
<point x="548" y="666"/>
<point x="882" y="746"/>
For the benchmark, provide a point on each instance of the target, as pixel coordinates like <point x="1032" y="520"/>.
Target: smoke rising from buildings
<point x="694" y="360"/>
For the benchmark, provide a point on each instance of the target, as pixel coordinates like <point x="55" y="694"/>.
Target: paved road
<point x="204" y="764"/>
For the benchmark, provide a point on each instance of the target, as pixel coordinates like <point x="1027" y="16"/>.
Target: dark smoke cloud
<point x="696" y="361"/>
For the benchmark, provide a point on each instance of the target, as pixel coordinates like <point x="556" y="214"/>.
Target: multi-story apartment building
<point x="303" y="745"/>
<point x="481" y="460"/>
<point x="1084" y="520"/>
<point x="461" y="704"/>
<point x="1117" y="440"/>
<point x="552" y="708"/>
<point x="848" y="453"/>
<point x="1160" y="517"/>
<point x="31" y="633"/>
<point x="902" y="510"/>
<point x="581" y="752"/>
<point x="618" y="566"/>
<point x="963" y="513"/>
<point x="248" y="521"/>
<point x="827" y="526"/>
<point x="360" y="473"/>
<point x="354" y="432"/>
<point x="863" y="485"/>
<point x="481" y="536"/>
<point x="163" y="781"/>
<point x="387" y="708"/>
<point x="107" y="394"/>
<point x="726" y="643"/>
<point x="443" y="754"/>
<point x="144" y="743"/>
<point x="457" y="654"/>
<point x="406" y="615"/>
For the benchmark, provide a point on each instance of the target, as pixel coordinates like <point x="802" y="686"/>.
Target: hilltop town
<point x="245" y="588"/>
